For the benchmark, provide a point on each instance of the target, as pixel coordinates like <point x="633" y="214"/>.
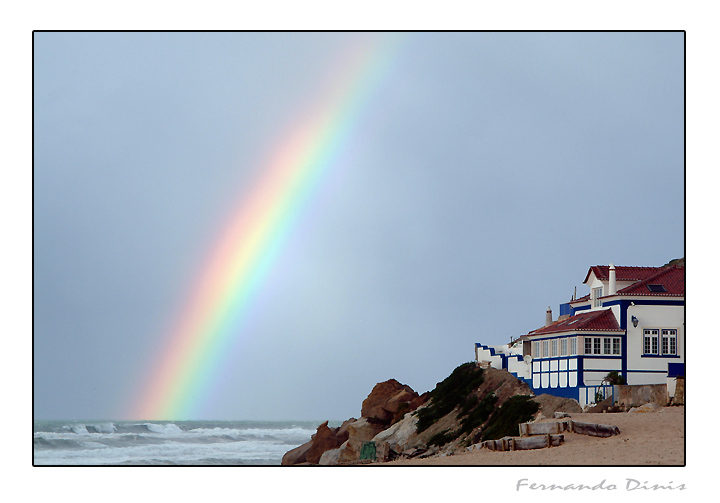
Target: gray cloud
<point x="485" y="175"/>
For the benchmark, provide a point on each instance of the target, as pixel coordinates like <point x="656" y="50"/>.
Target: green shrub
<point x="470" y="404"/>
<point x="443" y="437"/>
<point x="479" y="414"/>
<point x="505" y="420"/>
<point x="614" y="378"/>
<point x="452" y="392"/>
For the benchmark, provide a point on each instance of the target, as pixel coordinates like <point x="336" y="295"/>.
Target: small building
<point x="632" y="322"/>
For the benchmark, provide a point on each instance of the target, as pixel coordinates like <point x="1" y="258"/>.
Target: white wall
<point x="652" y="317"/>
<point x="483" y="355"/>
<point x="519" y="367"/>
<point x="592" y="283"/>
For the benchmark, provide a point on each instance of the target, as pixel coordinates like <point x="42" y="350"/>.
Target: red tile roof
<point x="581" y="299"/>
<point x="603" y="320"/>
<point x="671" y="278"/>
<point x="622" y="272"/>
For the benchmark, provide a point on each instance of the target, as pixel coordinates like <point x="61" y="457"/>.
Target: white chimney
<point x="548" y="317"/>
<point x="612" y="288"/>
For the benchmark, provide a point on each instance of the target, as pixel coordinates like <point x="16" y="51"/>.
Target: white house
<point x="632" y="322"/>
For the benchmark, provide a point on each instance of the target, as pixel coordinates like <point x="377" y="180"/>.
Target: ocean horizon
<point x="189" y="443"/>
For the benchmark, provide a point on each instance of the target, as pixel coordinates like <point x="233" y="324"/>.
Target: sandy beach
<point x="653" y="438"/>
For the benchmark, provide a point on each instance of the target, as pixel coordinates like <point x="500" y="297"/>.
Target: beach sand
<point x="652" y="438"/>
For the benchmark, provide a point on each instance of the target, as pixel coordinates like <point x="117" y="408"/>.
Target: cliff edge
<point x="471" y="405"/>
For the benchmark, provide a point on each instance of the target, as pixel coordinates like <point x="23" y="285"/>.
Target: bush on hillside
<point x="479" y="414"/>
<point x="505" y="420"/>
<point x="449" y="394"/>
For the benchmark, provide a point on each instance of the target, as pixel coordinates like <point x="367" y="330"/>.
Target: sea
<point x="194" y="443"/>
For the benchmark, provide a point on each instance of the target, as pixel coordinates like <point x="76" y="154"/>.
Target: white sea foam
<point x="79" y="429"/>
<point x="105" y="428"/>
<point x="260" y="433"/>
<point x="166" y="429"/>
<point x="188" y="442"/>
<point x="171" y="453"/>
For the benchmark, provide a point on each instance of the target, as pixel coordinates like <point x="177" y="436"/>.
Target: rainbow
<point x="192" y="354"/>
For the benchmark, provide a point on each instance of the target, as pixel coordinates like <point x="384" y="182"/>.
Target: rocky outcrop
<point x="298" y="455"/>
<point x="460" y="410"/>
<point x="330" y="457"/>
<point x="343" y="431"/>
<point x="550" y="404"/>
<point x="325" y="438"/>
<point x="400" y="434"/>
<point x="648" y="407"/>
<point x="360" y="432"/>
<point x="448" y="430"/>
<point x="386" y="401"/>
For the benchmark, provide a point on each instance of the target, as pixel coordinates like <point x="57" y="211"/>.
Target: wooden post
<point x="595" y="430"/>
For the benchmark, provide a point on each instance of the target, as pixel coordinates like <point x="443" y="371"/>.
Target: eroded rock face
<point x="297" y="455"/>
<point x="330" y="457"/>
<point x="399" y="435"/>
<point x="359" y="432"/>
<point x="386" y="401"/>
<point x="325" y="439"/>
<point x="342" y="432"/>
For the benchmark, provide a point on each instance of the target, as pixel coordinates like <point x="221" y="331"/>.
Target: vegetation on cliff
<point x="505" y="420"/>
<point x="477" y="408"/>
<point x="452" y="392"/>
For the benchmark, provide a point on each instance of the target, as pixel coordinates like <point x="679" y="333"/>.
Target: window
<point x="545" y="349"/>
<point x="669" y="342"/>
<point x="596" y="294"/>
<point x="573" y="345"/>
<point x="563" y="347"/>
<point x="650" y="341"/>
<point x="536" y="349"/>
<point x="660" y="342"/>
<point x="656" y="288"/>
<point x="600" y="345"/>
<point x="607" y="348"/>
<point x="554" y="347"/>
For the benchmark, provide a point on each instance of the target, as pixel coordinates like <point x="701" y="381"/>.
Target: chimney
<point x="548" y="317"/>
<point x="612" y="288"/>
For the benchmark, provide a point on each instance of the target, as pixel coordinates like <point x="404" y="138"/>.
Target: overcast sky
<point x="485" y="174"/>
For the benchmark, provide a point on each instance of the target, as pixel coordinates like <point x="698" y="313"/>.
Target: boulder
<point x="359" y="432"/>
<point x="330" y="457"/>
<point x="420" y="401"/>
<point x="550" y="404"/>
<point x="297" y="455"/>
<point x="385" y="401"/>
<point x="648" y="407"/>
<point x="342" y="432"/>
<point x="601" y="406"/>
<point x="400" y="434"/>
<point x="325" y="439"/>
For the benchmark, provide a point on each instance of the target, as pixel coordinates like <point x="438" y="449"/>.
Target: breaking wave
<point x="167" y="443"/>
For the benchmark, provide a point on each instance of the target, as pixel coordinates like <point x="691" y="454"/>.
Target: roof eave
<point x="575" y="331"/>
